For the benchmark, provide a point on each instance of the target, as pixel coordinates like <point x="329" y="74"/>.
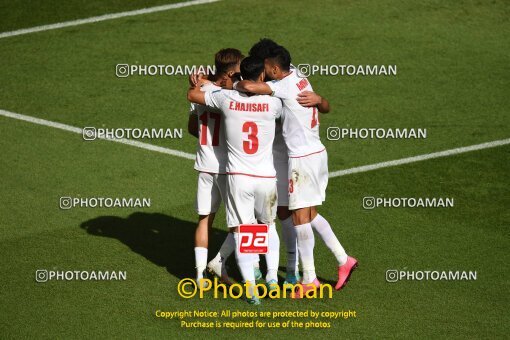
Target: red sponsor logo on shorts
<point x="253" y="238"/>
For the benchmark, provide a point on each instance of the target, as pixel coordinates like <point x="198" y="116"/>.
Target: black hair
<point x="251" y="68"/>
<point x="263" y="48"/>
<point x="281" y="57"/>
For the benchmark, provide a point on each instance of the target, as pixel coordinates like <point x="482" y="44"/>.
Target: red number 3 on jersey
<point x="251" y="145"/>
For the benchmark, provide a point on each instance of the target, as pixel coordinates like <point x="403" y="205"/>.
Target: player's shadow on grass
<point x="164" y="240"/>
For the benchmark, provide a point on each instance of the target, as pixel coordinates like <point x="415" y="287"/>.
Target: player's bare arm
<point x="193" y="125"/>
<point x="323" y="107"/>
<point x="310" y="99"/>
<point x="253" y="87"/>
<point x="195" y="95"/>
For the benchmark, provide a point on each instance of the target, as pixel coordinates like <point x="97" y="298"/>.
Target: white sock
<point x="227" y="248"/>
<point x="273" y="254"/>
<point x="306" y="242"/>
<point x="323" y="228"/>
<point x="245" y="264"/>
<point x="289" y="236"/>
<point x="200" y="261"/>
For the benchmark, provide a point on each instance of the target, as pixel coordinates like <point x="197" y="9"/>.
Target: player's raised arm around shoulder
<point x="310" y="99"/>
<point x="215" y="99"/>
<point x="211" y="99"/>
<point x="195" y="95"/>
<point x="253" y="87"/>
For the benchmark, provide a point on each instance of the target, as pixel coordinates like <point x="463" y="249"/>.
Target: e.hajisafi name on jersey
<point x="249" y="130"/>
<point x="211" y="147"/>
<point x="300" y="124"/>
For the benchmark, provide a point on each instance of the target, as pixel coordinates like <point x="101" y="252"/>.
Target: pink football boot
<point x="302" y="288"/>
<point x="345" y="271"/>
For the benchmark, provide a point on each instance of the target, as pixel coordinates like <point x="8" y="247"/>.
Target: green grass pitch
<point x="453" y="79"/>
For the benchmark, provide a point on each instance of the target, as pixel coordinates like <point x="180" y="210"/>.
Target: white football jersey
<point x="300" y="124"/>
<point x="211" y="147"/>
<point x="249" y="130"/>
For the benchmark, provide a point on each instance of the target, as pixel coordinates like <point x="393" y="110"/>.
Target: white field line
<point x="104" y="18"/>
<point x="74" y="129"/>
<point x="419" y="158"/>
<point x="339" y="173"/>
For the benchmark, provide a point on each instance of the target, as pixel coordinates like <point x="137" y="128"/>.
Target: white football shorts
<point x="308" y="180"/>
<point x="250" y="199"/>
<point x="211" y="191"/>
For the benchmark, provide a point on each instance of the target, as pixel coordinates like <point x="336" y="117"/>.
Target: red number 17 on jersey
<point x="253" y="238"/>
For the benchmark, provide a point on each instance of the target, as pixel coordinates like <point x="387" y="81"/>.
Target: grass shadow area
<point x="164" y="240"/>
